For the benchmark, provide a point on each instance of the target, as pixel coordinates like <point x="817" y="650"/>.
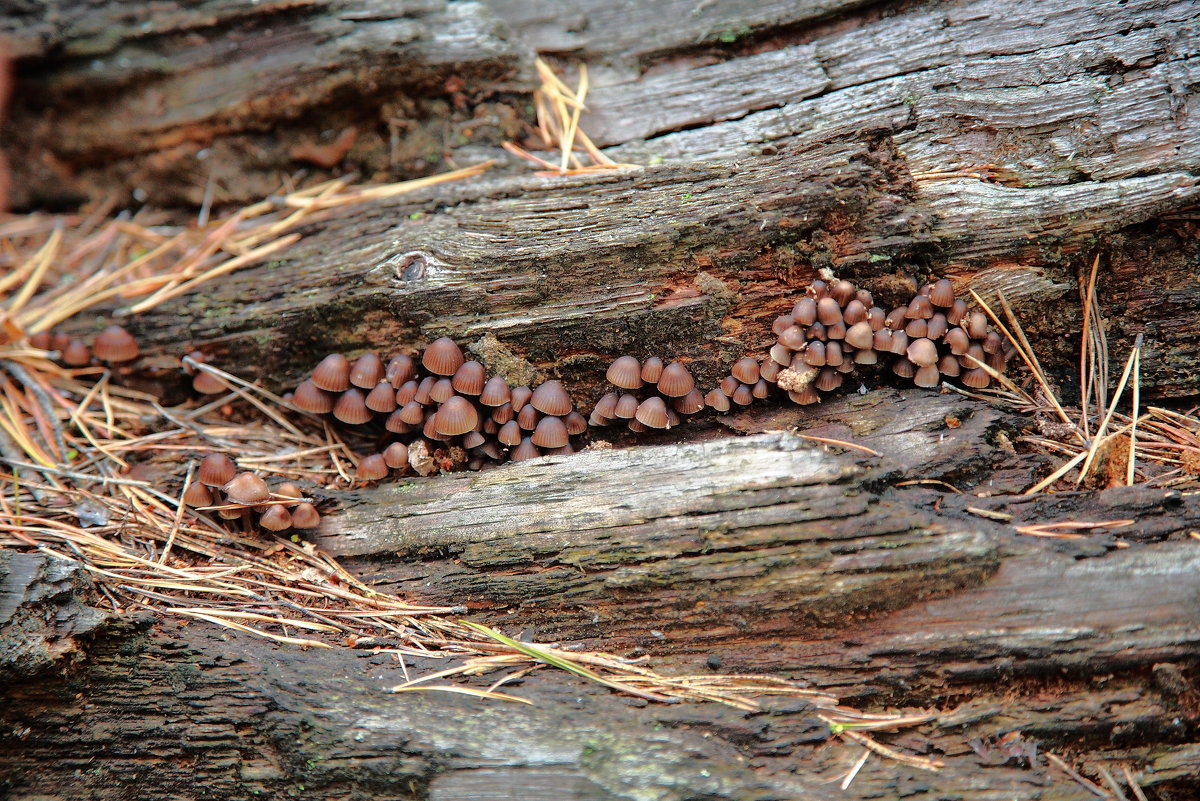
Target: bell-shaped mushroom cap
<point x="400" y="369"/>
<point x="469" y="378"/>
<point x="575" y="423"/>
<point x="288" y="491"/>
<point x="625" y="372"/>
<point x="922" y="352"/>
<point x="997" y="361"/>
<point x="456" y="416"/>
<point x="42" y="340"/>
<point x="842" y="291"/>
<point x="816" y="331"/>
<point x="729" y="385"/>
<point x="503" y="413"/>
<point x="828" y="311"/>
<point x="977" y="378"/>
<point x="276" y="517"/>
<point x="496" y="392"/>
<point x="526" y="450"/>
<point x="197" y="495"/>
<point x="382" y="398"/>
<point x="957" y="312"/>
<point x="780" y="355"/>
<point x="937" y="326"/>
<point x="904" y="368"/>
<point x="442" y="357"/>
<point x="770" y="370"/>
<point x="779" y="324"/>
<point x="917" y="328"/>
<point x="864" y="297"/>
<point x="412" y="413"/>
<point x="406" y="392"/>
<point x="942" y="293"/>
<point x="866" y="356"/>
<point x="718" y="400"/>
<point x="689" y="403"/>
<point x="949" y="366"/>
<point x="551" y="398"/>
<point x="351" y="407"/>
<point x="309" y="398"/>
<point x="510" y="433"/>
<point x="59" y="342"/>
<point x="815" y="354"/>
<point x="828" y="379"/>
<point x="855" y="312"/>
<point x="76" y="354"/>
<point x="992" y="343"/>
<point x="528" y="417"/>
<point x="607" y="405"/>
<point x="957" y="340"/>
<point x="804" y="396"/>
<point x="793" y="337"/>
<point x="332" y="373"/>
<point x="977" y="325"/>
<point x="441" y="391"/>
<point x="473" y="439"/>
<point x="627" y="406"/>
<point x="115" y="344"/>
<point x="216" y="469"/>
<point x="206" y="383"/>
<point x="927" y="376"/>
<point x="919" y="308"/>
<point x="652" y="412"/>
<point x="805" y="312"/>
<point x="425" y="390"/>
<point x="367" y="371"/>
<point x="429" y="429"/>
<point x="876" y="316"/>
<point x="395" y="456"/>
<point x="761" y="389"/>
<point x="974" y="356"/>
<point x="833" y="353"/>
<point x="899" y="342"/>
<point x="395" y="423"/>
<point x="246" y="489"/>
<point x="675" y="380"/>
<point x="745" y="370"/>
<point x="847" y="366"/>
<point x="491" y="450"/>
<point x="883" y="340"/>
<point x="818" y="289"/>
<point x="860" y="335"/>
<point x="895" y="319"/>
<point x="305" y="515"/>
<point x="597" y="420"/>
<point x="836" y="331"/>
<point x="742" y="396"/>
<point x="652" y="369"/>
<point x="520" y="397"/>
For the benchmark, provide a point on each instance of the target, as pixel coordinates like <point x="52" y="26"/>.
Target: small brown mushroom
<point x="351" y="407"/>
<point x="927" y="375"/>
<point x="216" y="469"/>
<point x="495" y="392"/>
<point x="828" y="379"/>
<point x="528" y="417"/>
<point x="942" y="293"/>
<point x="804" y="313"/>
<point x="275" y="518"/>
<point x="382" y="398"/>
<point x="718" y="400"/>
<point x="469" y="378"/>
<point x="977" y="378"/>
<point x="855" y="313"/>
<point x="305" y="515"/>
<point x="626" y="407"/>
<point x="197" y="495"/>
<point x="372" y="468"/>
<point x="652" y="369"/>
<point x="652" y="412"/>
<point x="400" y="370"/>
<point x="442" y="357"/>
<point x="115" y="344"/>
<point x="367" y="371"/>
<point x="246" y="489"/>
<point x="441" y="391"/>
<point x="860" y="335"/>
<point x="551" y="398"/>
<point x="526" y="450"/>
<point x="675" y="380"/>
<point x="456" y="416"/>
<point x="922" y="352"/>
<point x="828" y="311"/>
<point x="509" y="433"/>
<point x="520" y="397"/>
<point x="76" y="354"/>
<point x="395" y="456"/>
<point x="332" y="373"/>
<point x="206" y="383"/>
<point x="625" y="372"/>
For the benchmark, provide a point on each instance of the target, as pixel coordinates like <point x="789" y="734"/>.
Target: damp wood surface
<point x="998" y="145"/>
<point x="764" y="553"/>
<point x="979" y="140"/>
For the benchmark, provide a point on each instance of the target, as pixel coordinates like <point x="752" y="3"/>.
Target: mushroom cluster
<point x="836" y="327"/>
<point x="443" y="400"/>
<point x="113" y="344"/>
<point x="649" y="394"/>
<point x="233" y="495"/>
<point x="748" y="380"/>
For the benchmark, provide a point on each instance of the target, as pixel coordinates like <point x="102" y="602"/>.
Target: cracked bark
<point x="972" y="139"/>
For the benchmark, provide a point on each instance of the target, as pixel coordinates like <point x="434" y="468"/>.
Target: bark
<point x="979" y="140"/>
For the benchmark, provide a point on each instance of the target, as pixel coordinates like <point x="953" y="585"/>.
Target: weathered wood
<point x="974" y="612"/>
